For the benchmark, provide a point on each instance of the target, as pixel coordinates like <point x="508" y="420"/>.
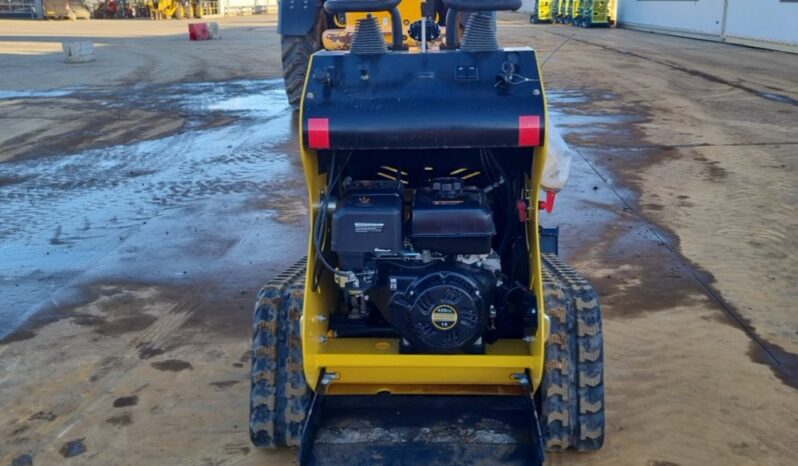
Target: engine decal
<point x="444" y="317"/>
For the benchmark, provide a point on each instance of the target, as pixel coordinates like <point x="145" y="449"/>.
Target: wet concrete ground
<point x="192" y="207"/>
<point x="137" y="256"/>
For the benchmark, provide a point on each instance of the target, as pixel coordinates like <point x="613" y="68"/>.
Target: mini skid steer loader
<point x="541" y="11"/>
<point x="593" y="13"/>
<point x="432" y="321"/>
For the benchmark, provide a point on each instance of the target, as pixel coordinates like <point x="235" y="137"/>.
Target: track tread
<point x="279" y="395"/>
<point x="296" y="52"/>
<point x="574" y="357"/>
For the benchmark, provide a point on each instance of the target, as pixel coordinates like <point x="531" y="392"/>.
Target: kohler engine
<point x="424" y="261"/>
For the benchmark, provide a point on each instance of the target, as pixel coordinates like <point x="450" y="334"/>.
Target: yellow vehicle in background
<point x="542" y="11"/>
<point x="167" y="9"/>
<point x="560" y="11"/>
<point x="62" y="9"/>
<point x="573" y="12"/>
<point x="338" y="36"/>
<point x="565" y="5"/>
<point x="592" y="13"/>
<point x="305" y="30"/>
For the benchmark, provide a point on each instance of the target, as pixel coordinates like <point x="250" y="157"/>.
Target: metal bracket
<point x="537" y="434"/>
<point x="313" y="418"/>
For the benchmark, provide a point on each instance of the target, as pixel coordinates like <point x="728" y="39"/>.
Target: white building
<point x="247" y="7"/>
<point x="760" y="23"/>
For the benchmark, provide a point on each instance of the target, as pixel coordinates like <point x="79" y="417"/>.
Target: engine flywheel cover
<point x="442" y="312"/>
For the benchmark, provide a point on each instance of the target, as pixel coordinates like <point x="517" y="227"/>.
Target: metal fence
<point x="17" y="9"/>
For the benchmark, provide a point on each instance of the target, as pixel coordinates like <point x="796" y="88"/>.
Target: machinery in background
<point x="572" y="12"/>
<point x="561" y="16"/>
<point x="113" y="9"/>
<point x="306" y="28"/>
<point x="167" y="9"/>
<point x="542" y="11"/>
<point x="65" y="9"/>
<point x="582" y="13"/>
<point x="593" y="13"/>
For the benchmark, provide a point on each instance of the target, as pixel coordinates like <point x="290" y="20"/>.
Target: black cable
<point x="406" y="266"/>
<point x="321" y="218"/>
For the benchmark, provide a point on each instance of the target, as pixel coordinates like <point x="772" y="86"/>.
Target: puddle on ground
<point x="185" y="208"/>
<point x="8" y="95"/>
<point x="221" y="203"/>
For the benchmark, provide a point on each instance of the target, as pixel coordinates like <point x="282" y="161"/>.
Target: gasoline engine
<point x="420" y="262"/>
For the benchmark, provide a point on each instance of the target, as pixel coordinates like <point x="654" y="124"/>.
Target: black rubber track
<point x="572" y="390"/>
<point x="279" y="395"/>
<point x="296" y="52"/>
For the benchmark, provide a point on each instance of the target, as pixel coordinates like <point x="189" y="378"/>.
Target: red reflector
<point x="529" y="130"/>
<point x="319" y="133"/>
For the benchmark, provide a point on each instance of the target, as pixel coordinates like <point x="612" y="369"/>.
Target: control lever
<point x="423" y="27"/>
<point x="427" y="12"/>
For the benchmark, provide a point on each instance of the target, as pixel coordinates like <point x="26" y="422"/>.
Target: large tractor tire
<point x="296" y="52"/>
<point x="572" y="391"/>
<point x="279" y="396"/>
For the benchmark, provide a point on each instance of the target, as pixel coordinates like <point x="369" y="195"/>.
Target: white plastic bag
<point x="557" y="168"/>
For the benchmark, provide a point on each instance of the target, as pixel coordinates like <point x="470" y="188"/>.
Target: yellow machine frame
<point x="373" y="365"/>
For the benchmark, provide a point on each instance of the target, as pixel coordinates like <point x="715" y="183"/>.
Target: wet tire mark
<point x="783" y="363"/>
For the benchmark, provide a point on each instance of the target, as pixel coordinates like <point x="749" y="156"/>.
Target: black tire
<point x="585" y="23"/>
<point x="572" y="391"/>
<point x="534" y="19"/>
<point x="279" y="396"/>
<point x="296" y="52"/>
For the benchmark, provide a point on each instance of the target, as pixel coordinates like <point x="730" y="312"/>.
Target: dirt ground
<point x="145" y="196"/>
